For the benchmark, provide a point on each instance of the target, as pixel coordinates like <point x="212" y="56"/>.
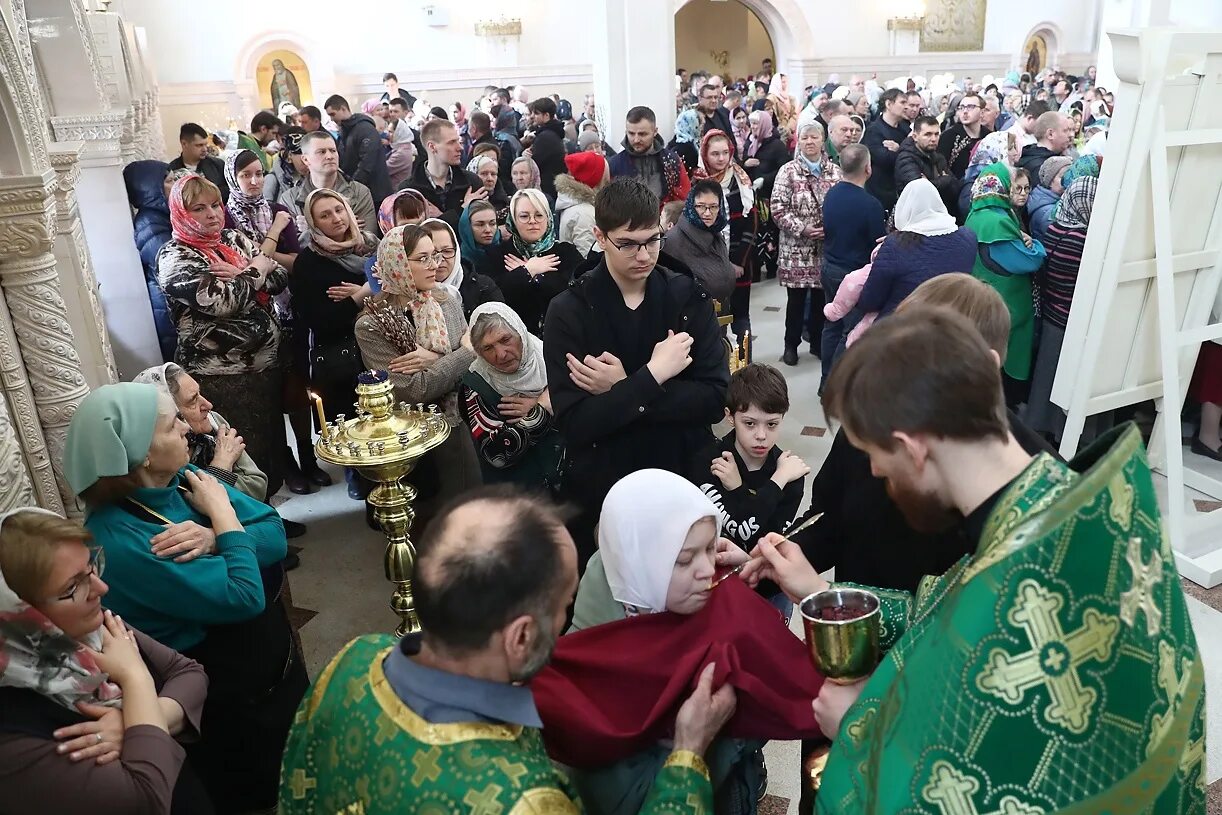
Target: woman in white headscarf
<point x="506" y="403"/>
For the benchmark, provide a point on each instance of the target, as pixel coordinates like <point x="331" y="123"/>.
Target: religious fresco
<point x="282" y="76"/>
<point x="1035" y="54"/>
<point x="954" y="25"/>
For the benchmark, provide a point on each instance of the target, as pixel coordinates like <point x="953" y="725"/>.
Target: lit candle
<point x="322" y="417"/>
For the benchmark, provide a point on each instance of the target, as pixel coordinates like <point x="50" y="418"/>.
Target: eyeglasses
<point x="530" y="218"/>
<point x="631" y="248"/>
<point x="448" y="254"/>
<point x="706" y="207"/>
<point x="969" y="107"/>
<point x="430" y="261"/>
<point x="97" y="565"/>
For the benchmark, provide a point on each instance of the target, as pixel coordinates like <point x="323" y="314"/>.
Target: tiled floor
<point x="342" y="585"/>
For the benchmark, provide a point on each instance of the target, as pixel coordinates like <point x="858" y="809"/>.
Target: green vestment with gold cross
<point x="1052" y="671"/>
<point x="356" y="749"/>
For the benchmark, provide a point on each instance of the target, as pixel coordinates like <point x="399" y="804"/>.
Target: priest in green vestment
<point x="1054" y="669"/>
<point x="444" y="722"/>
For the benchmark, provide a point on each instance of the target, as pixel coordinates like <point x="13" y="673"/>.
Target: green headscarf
<point x="992" y="217"/>
<point x="110" y="434"/>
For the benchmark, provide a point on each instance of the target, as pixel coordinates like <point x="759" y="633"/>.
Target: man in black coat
<point x="712" y="115"/>
<point x="193" y="140"/>
<point x="361" y="156"/>
<point x="883" y="138"/>
<point x="1054" y="133"/>
<point x="548" y="147"/>
<point x="918" y="157"/>
<point x="957" y="143"/>
<point x="636" y="367"/>
<point x="440" y="178"/>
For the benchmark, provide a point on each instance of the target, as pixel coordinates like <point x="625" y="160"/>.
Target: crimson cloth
<point x="613" y="690"/>
<point x="1207" y="377"/>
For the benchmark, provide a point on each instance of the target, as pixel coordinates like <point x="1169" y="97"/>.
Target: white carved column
<point x="80" y="287"/>
<point x="16" y="487"/>
<point x="42" y="375"/>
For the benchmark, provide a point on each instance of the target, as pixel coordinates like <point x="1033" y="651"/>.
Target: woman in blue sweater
<point x="196" y="565"/>
<point x="927" y="242"/>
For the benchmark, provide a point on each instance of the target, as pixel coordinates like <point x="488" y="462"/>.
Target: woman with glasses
<point x="533" y="266"/>
<point x="698" y="240"/>
<point x="414" y="329"/>
<point x="90" y="709"/>
<point x="218" y="602"/>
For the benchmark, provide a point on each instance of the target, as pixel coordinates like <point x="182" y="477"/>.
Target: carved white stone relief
<point x="16" y="487"/>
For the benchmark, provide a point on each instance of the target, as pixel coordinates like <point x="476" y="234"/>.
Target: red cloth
<point x="1207" y="377"/>
<point x="612" y="690"/>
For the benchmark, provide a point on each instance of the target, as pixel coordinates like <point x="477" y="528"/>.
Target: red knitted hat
<point x="588" y="168"/>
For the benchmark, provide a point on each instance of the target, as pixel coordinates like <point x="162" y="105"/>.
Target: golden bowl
<point x="843" y="650"/>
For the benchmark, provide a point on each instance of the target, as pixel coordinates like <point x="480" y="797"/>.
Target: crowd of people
<point x="568" y="305"/>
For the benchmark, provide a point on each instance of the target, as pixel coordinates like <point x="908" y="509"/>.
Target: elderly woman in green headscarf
<point x="531" y="267"/>
<point x="213" y="595"/>
<point x="1006" y="257"/>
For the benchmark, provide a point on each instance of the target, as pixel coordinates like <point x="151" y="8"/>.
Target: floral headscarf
<point x="1086" y="166"/>
<point x="188" y="230"/>
<point x="734" y="171"/>
<point x="252" y="213"/>
<point x="992" y="216"/>
<point x="1075" y="206"/>
<point x="474" y="164"/>
<point x="764" y="119"/>
<point x="36" y="655"/>
<point x="536" y="178"/>
<point x="430" y="320"/>
<point x="354" y="241"/>
<point x="386" y="211"/>
<point x="992" y="149"/>
<point x="687" y="127"/>
<point x="524" y="248"/>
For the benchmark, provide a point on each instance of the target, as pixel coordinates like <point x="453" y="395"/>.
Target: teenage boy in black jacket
<point x="636" y="367"/>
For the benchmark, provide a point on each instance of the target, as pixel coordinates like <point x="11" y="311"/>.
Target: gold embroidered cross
<point x="485" y="803"/>
<point x="387" y="729"/>
<point x="1054" y="658"/>
<point x="427" y="768"/>
<point x="1173" y="684"/>
<point x="693" y="801"/>
<point x="356" y="690"/>
<point x="514" y="771"/>
<point x="300" y="784"/>
<point x="953" y="793"/>
<point x="1141" y="596"/>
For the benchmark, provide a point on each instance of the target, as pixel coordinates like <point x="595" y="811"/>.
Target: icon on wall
<point x="1036" y="50"/>
<point x="282" y="77"/>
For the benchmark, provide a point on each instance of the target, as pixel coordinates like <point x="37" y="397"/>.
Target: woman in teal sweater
<point x="197" y="565"/>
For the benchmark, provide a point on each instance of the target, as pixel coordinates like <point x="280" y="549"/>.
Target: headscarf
<point x="992" y="216"/>
<point x="474" y="251"/>
<point x="734" y="171"/>
<point x="741" y="135"/>
<point x="386" y="211"/>
<point x="201" y="447"/>
<point x="187" y="230"/>
<point x="474" y="164"/>
<point x="531" y="377"/>
<point x="814" y="166"/>
<point x="1074" y="208"/>
<point x="693" y="217"/>
<point x="920" y="210"/>
<point x="645" y="520"/>
<point x="525" y="249"/>
<point x="1086" y="166"/>
<point x="687" y="127"/>
<point x="1050" y="168"/>
<point x="429" y="319"/>
<point x="764" y="119"/>
<point x="35" y="654"/>
<point x="353" y="242"/>
<point x="536" y="178"/>
<point x="252" y="213"/>
<point x="110" y="433"/>
<point x="454" y="281"/>
<point x="370" y="106"/>
<point x="992" y="149"/>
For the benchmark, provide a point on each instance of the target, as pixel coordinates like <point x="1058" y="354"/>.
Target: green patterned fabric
<point x="356" y="749"/>
<point x="1053" y="671"/>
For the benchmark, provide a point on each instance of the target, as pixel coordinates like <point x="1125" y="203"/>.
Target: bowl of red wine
<point x="842" y="633"/>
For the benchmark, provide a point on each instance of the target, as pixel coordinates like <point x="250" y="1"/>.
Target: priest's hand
<point x="704" y="713"/>
<point x="780" y="560"/>
<point x="832" y="703"/>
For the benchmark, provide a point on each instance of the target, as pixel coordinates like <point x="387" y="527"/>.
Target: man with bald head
<point x="447" y="713"/>
<point x="841" y="132"/>
<point x="1054" y="133"/>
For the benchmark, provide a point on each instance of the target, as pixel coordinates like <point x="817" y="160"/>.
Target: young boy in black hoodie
<point x="757" y="486"/>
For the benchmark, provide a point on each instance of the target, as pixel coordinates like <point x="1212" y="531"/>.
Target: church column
<point x="634" y="63"/>
<point x="39" y="365"/>
<point x="76" y="271"/>
<point x="16" y="487"/>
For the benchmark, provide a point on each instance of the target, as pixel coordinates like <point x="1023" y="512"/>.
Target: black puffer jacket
<point x="548" y="152"/>
<point x="911" y="163"/>
<point x="362" y="156"/>
<point x="151" y="226"/>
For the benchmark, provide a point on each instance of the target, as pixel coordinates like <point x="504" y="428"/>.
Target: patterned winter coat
<point x="797" y="206"/>
<point x="223" y="327"/>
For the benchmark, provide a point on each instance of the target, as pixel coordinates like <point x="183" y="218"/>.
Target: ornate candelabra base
<point x="392" y="508"/>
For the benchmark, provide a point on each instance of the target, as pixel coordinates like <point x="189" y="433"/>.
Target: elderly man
<point x="321" y="156"/>
<point x="495" y="572"/>
<point x="712" y="115"/>
<point x="1054" y="133"/>
<point x="841" y="132"/>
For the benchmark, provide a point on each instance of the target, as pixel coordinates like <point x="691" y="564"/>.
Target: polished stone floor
<point x="340" y="591"/>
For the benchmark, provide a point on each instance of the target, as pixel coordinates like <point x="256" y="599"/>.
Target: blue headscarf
<point x="466" y="239"/>
<point x="687" y="127"/>
<point x="693" y="217"/>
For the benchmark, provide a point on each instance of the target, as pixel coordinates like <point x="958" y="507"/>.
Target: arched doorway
<point x="784" y="23"/>
<point x="1039" y="49"/>
<point x="721" y="36"/>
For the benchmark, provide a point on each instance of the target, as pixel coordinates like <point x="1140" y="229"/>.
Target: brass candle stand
<point x="383" y="443"/>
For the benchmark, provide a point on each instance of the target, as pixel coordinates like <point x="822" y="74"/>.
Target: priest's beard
<point x="923" y="511"/>
<point x="539" y="658"/>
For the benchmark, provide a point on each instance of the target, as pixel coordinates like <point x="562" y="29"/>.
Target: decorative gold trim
<point x="544" y="801"/>
<point x="324" y="679"/>
<point x="688" y="760"/>
<point x="424" y="731"/>
<point x="905" y="24"/>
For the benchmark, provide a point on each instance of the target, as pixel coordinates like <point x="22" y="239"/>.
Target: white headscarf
<point x="645" y="519"/>
<point x="456" y="277"/>
<point x="920" y="209"/>
<point x="531" y="376"/>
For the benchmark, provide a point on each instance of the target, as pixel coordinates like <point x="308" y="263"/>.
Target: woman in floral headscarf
<point x="1002" y="146"/>
<point x="220" y="288"/>
<point x="81" y="719"/>
<point x="531" y="267"/>
<point x="687" y="139"/>
<point x="415" y="329"/>
<point x="1006" y="257"/>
